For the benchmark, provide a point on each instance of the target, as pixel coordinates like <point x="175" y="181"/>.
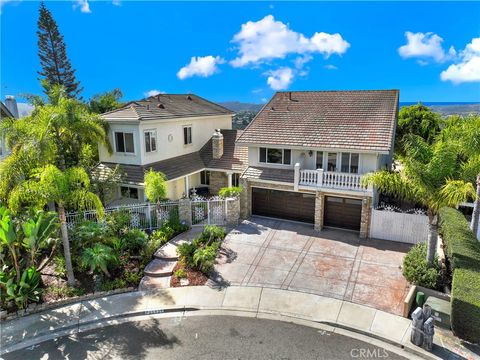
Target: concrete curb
<point x="263" y="303"/>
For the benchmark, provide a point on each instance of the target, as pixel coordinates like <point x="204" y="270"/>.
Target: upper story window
<point x="187" y="135"/>
<point x="275" y="156"/>
<point x="124" y="142"/>
<point x="350" y="162"/>
<point x="205" y="177"/>
<point x="319" y="163"/>
<point x="332" y="162"/>
<point x="150" y="140"/>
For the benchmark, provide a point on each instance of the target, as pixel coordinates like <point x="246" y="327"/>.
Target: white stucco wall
<point x="122" y="158"/>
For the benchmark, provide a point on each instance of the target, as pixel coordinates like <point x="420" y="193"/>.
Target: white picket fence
<point x="399" y="226"/>
<point x="142" y="216"/>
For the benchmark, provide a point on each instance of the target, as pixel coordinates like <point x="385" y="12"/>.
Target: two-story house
<point x="7" y="110"/>
<point x="178" y="135"/>
<point x="308" y="151"/>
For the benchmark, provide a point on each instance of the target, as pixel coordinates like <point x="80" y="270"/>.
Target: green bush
<point x="416" y="269"/>
<point x="61" y="292"/>
<point x="212" y="233"/>
<point x="118" y="221"/>
<point x="135" y="240"/>
<point x="133" y="278"/>
<point x="60" y="266"/>
<point x="185" y="252"/>
<point x="204" y="257"/>
<point x="113" y="284"/>
<point x="99" y="259"/>
<point x="463" y="251"/>
<point x="180" y="273"/>
<point x="233" y="191"/>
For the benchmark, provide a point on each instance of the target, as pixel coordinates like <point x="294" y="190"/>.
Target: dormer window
<point x="124" y="142"/>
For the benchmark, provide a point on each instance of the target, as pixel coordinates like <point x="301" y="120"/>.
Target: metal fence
<point x="142" y="216"/>
<point x="212" y="211"/>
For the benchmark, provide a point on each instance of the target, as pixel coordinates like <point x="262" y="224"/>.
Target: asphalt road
<point x="204" y="337"/>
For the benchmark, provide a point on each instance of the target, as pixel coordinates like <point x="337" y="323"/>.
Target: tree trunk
<point x="432" y="237"/>
<point x="476" y="210"/>
<point x="66" y="245"/>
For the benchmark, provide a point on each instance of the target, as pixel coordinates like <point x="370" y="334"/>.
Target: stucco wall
<point x="121" y="158"/>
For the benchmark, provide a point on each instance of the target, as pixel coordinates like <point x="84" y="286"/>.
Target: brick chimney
<point x="217" y="144"/>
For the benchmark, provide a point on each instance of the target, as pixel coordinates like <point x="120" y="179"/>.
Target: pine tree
<point x="56" y="67"/>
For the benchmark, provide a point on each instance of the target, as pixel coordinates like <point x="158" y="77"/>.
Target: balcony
<point x="319" y="179"/>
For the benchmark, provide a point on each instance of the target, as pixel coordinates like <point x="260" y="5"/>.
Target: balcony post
<point x="319" y="177"/>
<point x="296" y="176"/>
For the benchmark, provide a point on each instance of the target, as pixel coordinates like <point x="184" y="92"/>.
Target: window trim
<point x="237" y="181"/>
<point x="273" y="163"/>
<point x="123" y="132"/>
<point x="129" y="189"/>
<point x="207" y="174"/>
<point x="316" y="158"/>
<point x="191" y="134"/>
<point x="350" y="163"/>
<point x="146" y="131"/>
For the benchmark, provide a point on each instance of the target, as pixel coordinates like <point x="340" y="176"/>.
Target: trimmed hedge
<point x="463" y="251"/>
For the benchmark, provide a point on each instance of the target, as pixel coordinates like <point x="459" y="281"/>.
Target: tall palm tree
<point x="58" y="133"/>
<point x="426" y="177"/>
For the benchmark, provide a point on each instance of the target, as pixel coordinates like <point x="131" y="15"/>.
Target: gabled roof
<point x="234" y="157"/>
<point x="166" y="106"/>
<point x="351" y="120"/>
<point x="4" y="112"/>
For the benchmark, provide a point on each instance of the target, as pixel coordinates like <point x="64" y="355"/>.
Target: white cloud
<point x="280" y="79"/>
<point x="116" y="2"/>
<point x="267" y="39"/>
<point x="425" y="45"/>
<point x="202" y="66"/>
<point x="468" y="67"/>
<point x="83" y="5"/>
<point x="153" y="92"/>
<point x="330" y="67"/>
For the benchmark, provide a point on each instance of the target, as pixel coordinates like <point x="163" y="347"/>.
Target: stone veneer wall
<point x="233" y="211"/>
<point x="185" y="211"/>
<point x="319" y="210"/>
<point x="365" y="217"/>
<point x="218" y="180"/>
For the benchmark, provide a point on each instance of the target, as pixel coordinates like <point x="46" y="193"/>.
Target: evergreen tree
<point x="56" y="67"/>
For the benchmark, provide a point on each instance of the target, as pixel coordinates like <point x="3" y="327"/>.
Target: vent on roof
<point x="148" y="106"/>
<point x="189" y="97"/>
<point x="161" y="106"/>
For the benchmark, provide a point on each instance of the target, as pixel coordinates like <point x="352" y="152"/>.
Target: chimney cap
<point x="10" y="97"/>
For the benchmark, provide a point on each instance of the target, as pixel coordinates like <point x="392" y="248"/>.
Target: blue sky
<point x="246" y="51"/>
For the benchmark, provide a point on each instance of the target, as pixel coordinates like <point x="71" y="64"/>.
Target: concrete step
<point x="153" y="283"/>
<point x="160" y="268"/>
<point x="167" y="252"/>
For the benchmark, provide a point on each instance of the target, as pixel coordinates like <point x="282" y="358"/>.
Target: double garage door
<point x="338" y="212"/>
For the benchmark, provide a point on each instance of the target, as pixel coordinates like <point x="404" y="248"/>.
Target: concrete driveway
<point x="333" y="263"/>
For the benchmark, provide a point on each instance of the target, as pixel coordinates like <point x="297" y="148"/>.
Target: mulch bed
<point x="195" y="277"/>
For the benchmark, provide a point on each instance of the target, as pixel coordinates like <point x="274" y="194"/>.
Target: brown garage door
<point x="342" y="212"/>
<point x="283" y="204"/>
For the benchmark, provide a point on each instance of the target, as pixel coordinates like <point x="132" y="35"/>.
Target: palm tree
<point x="426" y="177"/>
<point x="67" y="189"/>
<point x="98" y="258"/>
<point x="60" y="134"/>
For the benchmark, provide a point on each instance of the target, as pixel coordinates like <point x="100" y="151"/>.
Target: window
<point x="205" y="177"/>
<point x="150" y="140"/>
<point x="275" y="156"/>
<point x="350" y="162"/>
<point x="124" y="142"/>
<point x="332" y="162"/>
<point x="319" y="163"/>
<point x="129" y="192"/>
<point x="187" y="135"/>
<point x="235" y="179"/>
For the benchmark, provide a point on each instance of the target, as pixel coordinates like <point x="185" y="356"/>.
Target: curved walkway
<point x="330" y="314"/>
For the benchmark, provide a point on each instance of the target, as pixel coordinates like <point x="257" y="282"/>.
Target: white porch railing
<point x="330" y="179"/>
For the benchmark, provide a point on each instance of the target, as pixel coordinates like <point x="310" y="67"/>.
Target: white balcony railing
<point x="329" y="179"/>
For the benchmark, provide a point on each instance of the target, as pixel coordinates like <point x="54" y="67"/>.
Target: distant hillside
<point x="239" y="106"/>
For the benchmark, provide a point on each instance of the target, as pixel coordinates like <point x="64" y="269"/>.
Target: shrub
<point x="88" y="233"/>
<point x="463" y="250"/>
<point x="212" y="233"/>
<point x="185" y="251"/>
<point x="118" y="221"/>
<point x="99" y="258"/>
<point x="204" y="258"/>
<point x="180" y="273"/>
<point x="416" y="269"/>
<point x="135" y="240"/>
<point x="233" y="191"/>
<point x="25" y="291"/>
<point x="133" y="278"/>
<point x="60" y="267"/>
<point x="61" y="292"/>
<point x="113" y="284"/>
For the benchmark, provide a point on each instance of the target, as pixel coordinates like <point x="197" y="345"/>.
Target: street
<point x="204" y="337"/>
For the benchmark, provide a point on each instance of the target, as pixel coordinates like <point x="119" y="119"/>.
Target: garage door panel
<point x="283" y="204"/>
<point x="342" y="212"/>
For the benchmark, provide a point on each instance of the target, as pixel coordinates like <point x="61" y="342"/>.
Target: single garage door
<point x="283" y="204"/>
<point x="342" y="212"/>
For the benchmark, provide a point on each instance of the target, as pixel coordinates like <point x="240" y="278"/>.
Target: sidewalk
<point x="259" y="302"/>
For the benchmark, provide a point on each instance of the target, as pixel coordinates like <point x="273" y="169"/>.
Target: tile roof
<point x="356" y="120"/>
<point x="269" y="174"/>
<point x="234" y="158"/>
<point x="166" y="106"/>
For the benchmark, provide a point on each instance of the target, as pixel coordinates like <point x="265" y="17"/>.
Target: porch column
<point x="229" y="175"/>
<point x="319" y="210"/>
<point x="365" y="217"/>
<point x="187" y="187"/>
<point x="296" y="176"/>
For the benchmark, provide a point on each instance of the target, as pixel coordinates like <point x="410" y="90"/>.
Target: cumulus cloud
<point x="425" y="45"/>
<point x="83" y="5"/>
<point x="280" y="79"/>
<point x="330" y="67"/>
<point x="268" y="39"/>
<point x="153" y="92"/>
<point x="202" y="66"/>
<point x="467" y="69"/>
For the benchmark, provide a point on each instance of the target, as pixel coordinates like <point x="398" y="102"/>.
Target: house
<point x="7" y="110"/>
<point x="308" y="152"/>
<point x="186" y="137"/>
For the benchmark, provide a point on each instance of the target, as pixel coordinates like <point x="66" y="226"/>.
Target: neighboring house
<point x="6" y="112"/>
<point x="176" y="135"/>
<point x="307" y="152"/>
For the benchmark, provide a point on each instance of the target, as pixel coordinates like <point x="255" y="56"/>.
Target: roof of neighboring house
<point x="269" y="174"/>
<point x="4" y="111"/>
<point x="356" y="120"/>
<point x="166" y="106"/>
<point x="234" y="158"/>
